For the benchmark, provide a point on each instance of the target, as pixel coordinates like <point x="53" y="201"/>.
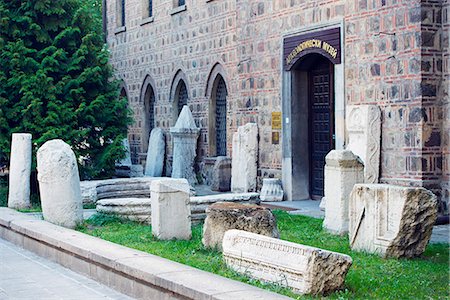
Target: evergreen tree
<point x="55" y="81"/>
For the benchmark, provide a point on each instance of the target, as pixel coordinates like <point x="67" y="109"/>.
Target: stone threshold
<point x="132" y="272"/>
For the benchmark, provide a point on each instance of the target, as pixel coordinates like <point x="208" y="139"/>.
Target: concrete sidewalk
<point x="24" y="275"/>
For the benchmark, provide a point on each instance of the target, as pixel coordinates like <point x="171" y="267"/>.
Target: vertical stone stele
<point x="392" y="221"/>
<point x="343" y="170"/>
<point x="244" y="159"/>
<point x="185" y="135"/>
<point x="304" y="269"/>
<point x="364" y="137"/>
<point x="155" y="153"/>
<point x="19" y="171"/>
<point x="171" y="212"/>
<point x="221" y="177"/>
<point x="59" y="184"/>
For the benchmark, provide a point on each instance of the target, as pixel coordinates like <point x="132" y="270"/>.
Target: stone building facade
<point x="393" y="54"/>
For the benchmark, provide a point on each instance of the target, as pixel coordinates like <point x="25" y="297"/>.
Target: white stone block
<point x="171" y="210"/>
<point x="304" y="269"/>
<point x="364" y="137"/>
<point x="59" y="184"/>
<point x="19" y="171"/>
<point x="155" y="153"/>
<point x="271" y="190"/>
<point x="244" y="159"/>
<point x="343" y="170"/>
<point x="392" y="221"/>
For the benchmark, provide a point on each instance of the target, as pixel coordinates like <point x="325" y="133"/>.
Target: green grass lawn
<point x="3" y="192"/>
<point x="370" y="276"/>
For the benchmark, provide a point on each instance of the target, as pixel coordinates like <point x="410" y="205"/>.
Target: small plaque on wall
<point x="276" y="120"/>
<point x="275" y="137"/>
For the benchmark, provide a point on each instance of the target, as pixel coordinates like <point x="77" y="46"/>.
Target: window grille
<point x="181" y="2"/>
<point x="221" y="118"/>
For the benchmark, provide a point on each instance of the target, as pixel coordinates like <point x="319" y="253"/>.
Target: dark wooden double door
<point x="321" y="123"/>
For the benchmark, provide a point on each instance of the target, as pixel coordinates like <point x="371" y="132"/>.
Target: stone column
<point x="171" y="212"/>
<point x="185" y="135"/>
<point x="59" y="184"/>
<point x="244" y="159"/>
<point x="19" y="171"/>
<point x="155" y="154"/>
<point x="343" y="170"/>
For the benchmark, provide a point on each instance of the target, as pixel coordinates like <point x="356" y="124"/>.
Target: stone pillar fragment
<point x="343" y="170"/>
<point x="364" y="138"/>
<point x="185" y="135"/>
<point x="221" y="176"/>
<point x="123" y="167"/>
<point x="59" y="184"/>
<point x="171" y="212"/>
<point x="155" y="154"/>
<point x="19" y="171"/>
<point x="271" y="190"/>
<point x="304" y="269"/>
<point x="392" y="221"/>
<point x="244" y="159"/>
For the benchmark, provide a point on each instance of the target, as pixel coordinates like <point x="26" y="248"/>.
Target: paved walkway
<point x="24" y="275"/>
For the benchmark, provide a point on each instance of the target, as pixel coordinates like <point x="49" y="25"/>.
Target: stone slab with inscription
<point x="304" y="269"/>
<point x="392" y="221"/>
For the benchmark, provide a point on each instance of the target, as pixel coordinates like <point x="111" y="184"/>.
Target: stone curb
<point x="132" y="272"/>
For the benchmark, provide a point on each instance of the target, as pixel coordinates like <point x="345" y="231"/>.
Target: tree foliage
<point x="55" y="81"/>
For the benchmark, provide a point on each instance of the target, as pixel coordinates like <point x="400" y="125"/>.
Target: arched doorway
<point x="312" y="114"/>
<point x="218" y="118"/>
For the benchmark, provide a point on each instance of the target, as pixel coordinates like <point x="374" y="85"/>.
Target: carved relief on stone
<point x="364" y="137"/>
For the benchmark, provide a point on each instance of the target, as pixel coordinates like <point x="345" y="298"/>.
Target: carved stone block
<point x="392" y="221"/>
<point x="271" y="190"/>
<point x="304" y="269"/>
<point x="221" y="174"/>
<point x="364" y="138"/>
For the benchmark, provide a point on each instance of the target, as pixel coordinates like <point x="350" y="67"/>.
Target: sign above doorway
<point x="325" y="42"/>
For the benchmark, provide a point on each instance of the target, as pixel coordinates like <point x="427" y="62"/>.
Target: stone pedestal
<point x="221" y="174"/>
<point x="134" y="209"/>
<point x="223" y="216"/>
<point x="343" y="170"/>
<point x="244" y="160"/>
<point x="392" y="221"/>
<point x="19" y="171"/>
<point x="155" y="153"/>
<point x="170" y="209"/>
<point x="271" y="190"/>
<point x="364" y="137"/>
<point x="304" y="269"/>
<point x="184" y="135"/>
<point x="59" y="184"/>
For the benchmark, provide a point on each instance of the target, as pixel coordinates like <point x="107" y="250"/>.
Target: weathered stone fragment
<point x="185" y="135"/>
<point x="19" y="171"/>
<point x="364" y="137"/>
<point x="271" y="190"/>
<point x="223" y="216"/>
<point x="221" y="177"/>
<point x="59" y="184"/>
<point x="304" y="269"/>
<point x="170" y="209"/>
<point x="343" y="170"/>
<point x="392" y="221"/>
<point x="244" y="160"/>
<point x="155" y="153"/>
<point x="123" y="167"/>
<point x="134" y="209"/>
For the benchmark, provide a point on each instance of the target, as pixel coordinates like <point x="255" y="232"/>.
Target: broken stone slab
<point x="343" y="170"/>
<point x="221" y="174"/>
<point x="304" y="269"/>
<point x="184" y="135"/>
<point x="364" y="137"/>
<point x="392" y="221"/>
<point x="134" y="209"/>
<point x="155" y="153"/>
<point x="171" y="212"/>
<point x="244" y="159"/>
<point x="19" y="171"/>
<point x="59" y="184"/>
<point x="223" y="216"/>
<point x="271" y="190"/>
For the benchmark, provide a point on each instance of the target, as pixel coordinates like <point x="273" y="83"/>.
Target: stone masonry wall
<point x="393" y="55"/>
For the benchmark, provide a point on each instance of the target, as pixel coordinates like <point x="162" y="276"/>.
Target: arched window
<point x="147" y="11"/>
<point x="181" y="96"/>
<point x="218" y="118"/>
<point x="149" y="115"/>
<point x="120" y="13"/>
